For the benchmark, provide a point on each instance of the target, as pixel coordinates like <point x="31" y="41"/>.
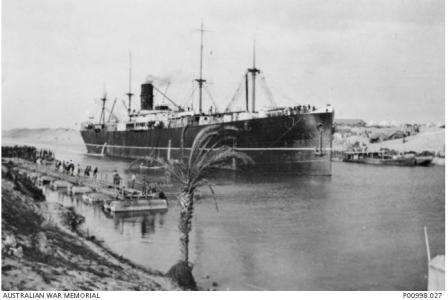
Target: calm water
<point x="361" y="229"/>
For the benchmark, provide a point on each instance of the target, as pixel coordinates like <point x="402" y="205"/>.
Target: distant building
<point x="350" y="122"/>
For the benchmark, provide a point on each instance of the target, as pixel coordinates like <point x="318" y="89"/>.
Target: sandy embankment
<point x="40" y="252"/>
<point x="44" y="136"/>
<point x="432" y="139"/>
<point x="428" y="139"/>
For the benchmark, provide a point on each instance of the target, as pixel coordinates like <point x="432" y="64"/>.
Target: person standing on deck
<point x="145" y="186"/>
<point x="133" y="181"/>
<point x="162" y="195"/>
<point x="153" y="189"/>
<point x="87" y="171"/>
<point x="71" y="168"/>
<point x="95" y="172"/>
<point x="116" y="179"/>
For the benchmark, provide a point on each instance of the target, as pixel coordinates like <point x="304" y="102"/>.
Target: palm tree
<point x="208" y="152"/>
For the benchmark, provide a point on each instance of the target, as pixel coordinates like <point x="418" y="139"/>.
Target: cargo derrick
<point x="296" y="138"/>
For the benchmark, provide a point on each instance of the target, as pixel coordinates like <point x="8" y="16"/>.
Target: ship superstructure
<point x="295" y="138"/>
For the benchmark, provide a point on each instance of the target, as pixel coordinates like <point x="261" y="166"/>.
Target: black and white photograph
<point x="211" y="145"/>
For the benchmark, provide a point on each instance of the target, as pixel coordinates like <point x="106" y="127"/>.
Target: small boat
<point x="60" y="184"/>
<point x="80" y="190"/>
<point x="45" y="180"/>
<point x="145" y="164"/>
<point x="95" y="198"/>
<point x="423" y="160"/>
<point x="155" y="168"/>
<point x="143" y="167"/>
<point x="150" y="167"/>
<point x="117" y="206"/>
<point x="130" y="193"/>
<point x="132" y="200"/>
<point x="380" y="158"/>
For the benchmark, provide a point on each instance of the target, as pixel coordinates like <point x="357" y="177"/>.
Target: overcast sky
<point x="376" y="59"/>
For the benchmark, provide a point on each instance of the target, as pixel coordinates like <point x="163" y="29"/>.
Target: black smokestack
<point x="147" y="96"/>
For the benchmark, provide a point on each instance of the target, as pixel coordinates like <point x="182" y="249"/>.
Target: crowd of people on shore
<point x="69" y="168"/>
<point x="28" y="152"/>
<point x="72" y="169"/>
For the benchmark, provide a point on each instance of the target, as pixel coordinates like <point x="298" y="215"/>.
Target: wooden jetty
<point x="61" y="184"/>
<point x="95" y="198"/>
<point x="80" y="190"/>
<point x="126" y="199"/>
<point x="49" y="174"/>
<point x="120" y="206"/>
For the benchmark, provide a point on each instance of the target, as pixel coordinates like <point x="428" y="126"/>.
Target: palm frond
<point x="207" y="152"/>
<point x="224" y="155"/>
<point x="214" y="135"/>
<point x="202" y="155"/>
<point x="213" y="195"/>
<point x="175" y="169"/>
<point x="217" y="159"/>
<point x="201" y="140"/>
<point x="219" y="138"/>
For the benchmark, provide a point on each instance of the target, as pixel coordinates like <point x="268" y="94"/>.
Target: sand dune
<point x="60" y="136"/>
<point x="432" y="139"/>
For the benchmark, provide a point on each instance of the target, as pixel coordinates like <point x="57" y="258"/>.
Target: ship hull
<point x="297" y="143"/>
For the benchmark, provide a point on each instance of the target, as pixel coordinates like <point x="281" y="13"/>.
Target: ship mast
<point x="247" y="92"/>
<point x="129" y="94"/>
<point x="103" y="109"/>
<point x="254" y="71"/>
<point x="201" y="81"/>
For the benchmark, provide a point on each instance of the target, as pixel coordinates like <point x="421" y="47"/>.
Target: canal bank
<point x="361" y="229"/>
<point x="41" y="252"/>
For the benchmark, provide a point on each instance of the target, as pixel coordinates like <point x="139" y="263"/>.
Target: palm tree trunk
<point x="186" y="214"/>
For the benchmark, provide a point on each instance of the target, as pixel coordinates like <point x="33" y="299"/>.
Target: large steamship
<point x="297" y="138"/>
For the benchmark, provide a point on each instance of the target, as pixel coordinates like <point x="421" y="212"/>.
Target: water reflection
<point x="360" y="229"/>
<point x="147" y="222"/>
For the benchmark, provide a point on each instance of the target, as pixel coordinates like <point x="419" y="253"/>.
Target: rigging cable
<point x="111" y="112"/>
<point x="166" y="97"/>
<point x="235" y="95"/>
<point x="211" y="98"/>
<point x="268" y="92"/>
<point x="189" y="98"/>
<point x="124" y="104"/>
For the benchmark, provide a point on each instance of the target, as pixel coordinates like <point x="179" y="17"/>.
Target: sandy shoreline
<point x="346" y="138"/>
